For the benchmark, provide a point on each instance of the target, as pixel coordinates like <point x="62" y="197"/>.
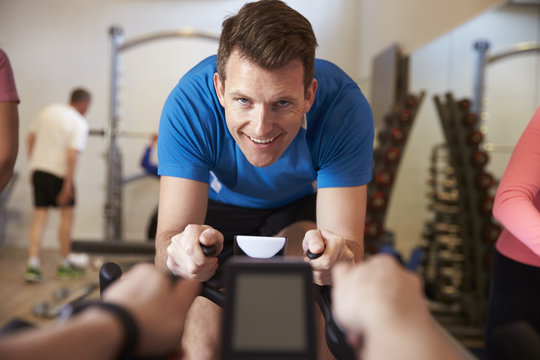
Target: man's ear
<point x="310" y="95"/>
<point x="218" y="85"/>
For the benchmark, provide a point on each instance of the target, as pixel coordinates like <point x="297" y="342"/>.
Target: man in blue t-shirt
<point x="261" y="140"/>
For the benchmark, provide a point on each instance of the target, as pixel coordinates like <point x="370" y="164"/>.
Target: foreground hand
<point x="375" y="294"/>
<point x="185" y="257"/>
<point x="333" y="248"/>
<point x="159" y="310"/>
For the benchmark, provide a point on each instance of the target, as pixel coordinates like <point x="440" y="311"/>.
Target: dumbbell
<point x="447" y="170"/>
<point x="377" y="201"/>
<point x="411" y="101"/>
<point x="395" y="135"/>
<point x="450" y="256"/>
<point x="449" y="293"/>
<point x="490" y="232"/>
<point x="483" y="181"/>
<point x="443" y="208"/>
<point x="384" y="177"/>
<point x="447" y="228"/>
<point x="398" y="135"/>
<point x="391" y="156"/>
<point x="479" y="159"/>
<point x="469" y="120"/>
<point x="464" y="105"/>
<point x="405" y="117"/>
<point x="474" y="137"/>
<point x="450" y="241"/>
<point x="485" y="204"/>
<point x="451" y="273"/>
<point x="373" y="228"/>
<point x="450" y="196"/>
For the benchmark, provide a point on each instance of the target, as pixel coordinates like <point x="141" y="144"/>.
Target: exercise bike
<point x="269" y="261"/>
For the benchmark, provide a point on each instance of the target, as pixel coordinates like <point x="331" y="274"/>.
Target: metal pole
<point x="112" y="206"/>
<point x="481" y="48"/>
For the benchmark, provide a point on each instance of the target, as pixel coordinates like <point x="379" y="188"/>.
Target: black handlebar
<point x="335" y="338"/>
<point x="108" y="273"/>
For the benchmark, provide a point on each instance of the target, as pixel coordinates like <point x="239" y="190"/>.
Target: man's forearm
<point x="162" y="242"/>
<point x="70" y="169"/>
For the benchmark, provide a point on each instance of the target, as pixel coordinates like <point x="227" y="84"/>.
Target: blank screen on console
<point x="269" y="313"/>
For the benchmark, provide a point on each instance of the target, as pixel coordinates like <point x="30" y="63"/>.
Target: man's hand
<point x="185" y="257"/>
<point x="64" y="196"/>
<point x="333" y="248"/>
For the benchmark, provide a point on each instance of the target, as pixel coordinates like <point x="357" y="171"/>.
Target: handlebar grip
<point x="335" y="337"/>
<point x="209" y="250"/>
<point x="313" y="256"/>
<point x="108" y="273"/>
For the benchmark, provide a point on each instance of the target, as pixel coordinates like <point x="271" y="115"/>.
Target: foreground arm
<point x="182" y="210"/>
<point x="381" y="303"/>
<point x="519" y="186"/>
<point x="9" y="140"/>
<point x="341" y="214"/>
<point x="159" y="312"/>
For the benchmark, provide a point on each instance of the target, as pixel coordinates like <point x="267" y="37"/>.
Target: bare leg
<point x="36" y="231"/>
<point x="202" y="331"/>
<point x="64" y="232"/>
<point x="295" y="235"/>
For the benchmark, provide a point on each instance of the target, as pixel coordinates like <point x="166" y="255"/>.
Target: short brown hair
<point x="270" y="34"/>
<point x="79" y="95"/>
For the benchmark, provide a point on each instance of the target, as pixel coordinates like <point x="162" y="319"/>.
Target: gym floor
<point x="17" y="298"/>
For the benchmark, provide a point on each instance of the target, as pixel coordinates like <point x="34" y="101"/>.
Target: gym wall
<point x="58" y="44"/>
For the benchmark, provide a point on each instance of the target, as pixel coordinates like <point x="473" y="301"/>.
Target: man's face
<point x="263" y="109"/>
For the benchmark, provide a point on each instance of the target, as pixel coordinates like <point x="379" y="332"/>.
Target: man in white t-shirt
<point x="57" y="135"/>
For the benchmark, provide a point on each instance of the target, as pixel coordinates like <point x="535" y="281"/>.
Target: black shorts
<point x="234" y="220"/>
<point x="46" y="188"/>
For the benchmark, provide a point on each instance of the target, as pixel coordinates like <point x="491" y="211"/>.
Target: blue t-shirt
<point x="334" y="149"/>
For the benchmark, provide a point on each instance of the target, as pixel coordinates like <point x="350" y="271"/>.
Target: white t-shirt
<point x="58" y="128"/>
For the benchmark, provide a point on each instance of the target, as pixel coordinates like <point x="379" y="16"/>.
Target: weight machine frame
<point x="113" y="206"/>
<point x="483" y="60"/>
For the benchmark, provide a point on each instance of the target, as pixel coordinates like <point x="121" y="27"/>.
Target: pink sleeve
<point x="8" y="91"/>
<point x="517" y="200"/>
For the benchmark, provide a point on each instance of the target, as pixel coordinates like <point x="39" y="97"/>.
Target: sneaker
<point x="69" y="272"/>
<point x="32" y="274"/>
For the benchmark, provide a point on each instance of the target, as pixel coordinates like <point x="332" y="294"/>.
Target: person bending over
<point x="57" y="135"/>
<point x="262" y="139"/>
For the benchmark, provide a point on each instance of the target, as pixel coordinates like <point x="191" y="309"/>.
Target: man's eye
<point x="283" y="103"/>
<point x="242" y="100"/>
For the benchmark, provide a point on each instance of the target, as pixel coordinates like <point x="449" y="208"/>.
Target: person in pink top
<point x="9" y="121"/>
<point x="515" y="273"/>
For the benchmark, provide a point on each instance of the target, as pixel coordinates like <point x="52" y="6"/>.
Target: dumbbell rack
<point x="392" y="138"/>
<point x="460" y="237"/>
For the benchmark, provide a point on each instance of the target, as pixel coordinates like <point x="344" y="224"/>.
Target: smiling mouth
<point x="262" y="141"/>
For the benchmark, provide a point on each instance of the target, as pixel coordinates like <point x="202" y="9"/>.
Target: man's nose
<point x="263" y="122"/>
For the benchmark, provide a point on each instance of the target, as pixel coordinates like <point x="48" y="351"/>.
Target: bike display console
<point x="269" y="309"/>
